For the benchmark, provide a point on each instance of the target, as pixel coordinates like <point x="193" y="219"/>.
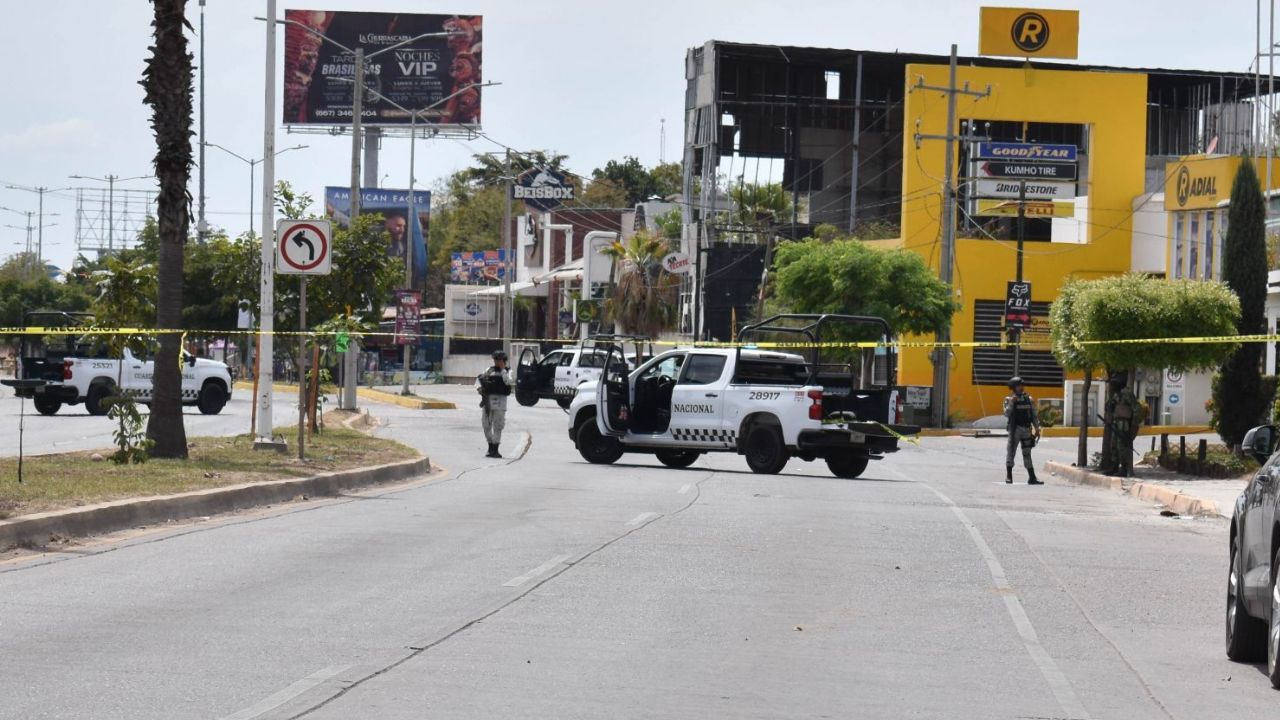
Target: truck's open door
<point x="614" y="394"/>
<point x="527" y="374"/>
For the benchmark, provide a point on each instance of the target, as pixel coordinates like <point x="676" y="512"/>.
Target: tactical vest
<point x="1023" y="413"/>
<point x="493" y="383"/>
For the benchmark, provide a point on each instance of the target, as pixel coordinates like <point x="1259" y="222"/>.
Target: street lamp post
<point x="29" y="228"/>
<point x="40" y="192"/>
<point x="111" y="181"/>
<point x="413" y="216"/>
<point x="252" y="164"/>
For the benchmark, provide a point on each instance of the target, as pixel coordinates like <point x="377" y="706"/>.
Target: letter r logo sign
<point x="1030" y="32"/>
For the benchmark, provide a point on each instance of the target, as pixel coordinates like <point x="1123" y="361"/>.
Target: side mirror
<point x="191" y="360"/>
<point x="1260" y="442"/>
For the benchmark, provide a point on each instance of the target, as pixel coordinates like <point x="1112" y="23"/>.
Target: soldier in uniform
<point x="1024" y="430"/>
<point x="494" y="385"/>
<point x="1125" y="417"/>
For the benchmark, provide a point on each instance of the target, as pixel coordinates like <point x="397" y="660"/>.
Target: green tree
<point x="167" y="84"/>
<point x="849" y="277"/>
<point x="601" y="193"/>
<point x="491" y="170"/>
<point x="630" y="175"/>
<point x="1091" y="316"/>
<point x="645" y="299"/>
<point x="670" y="224"/>
<point x="668" y="179"/>
<point x="463" y="218"/>
<point x="1238" y="390"/>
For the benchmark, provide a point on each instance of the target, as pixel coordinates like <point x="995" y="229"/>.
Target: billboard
<point x="477" y="267"/>
<point x="393" y="205"/>
<point x="416" y="76"/>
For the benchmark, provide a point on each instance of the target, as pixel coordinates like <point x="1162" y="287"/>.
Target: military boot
<point x="1008" y="474"/>
<point x="1031" y="479"/>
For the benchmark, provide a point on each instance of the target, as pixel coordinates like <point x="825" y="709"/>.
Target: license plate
<point x="857" y="437"/>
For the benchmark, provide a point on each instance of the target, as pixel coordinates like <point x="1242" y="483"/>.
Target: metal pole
<point x="509" y="317"/>
<point x="942" y="356"/>
<point x="408" y="250"/>
<point x="201" y="226"/>
<point x="302" y="365"/>
<point x="266" y="297"/>
<point x="357" y="107"/>
<point x="1257" y="77"/>
<point x="251" y="164"/>
<point x="1022" y="222"/>
<point x="1271" y="98"/>
<point x="111" y="213"/>
<point x="857" y="136"/>
<point x="40" y="231"/>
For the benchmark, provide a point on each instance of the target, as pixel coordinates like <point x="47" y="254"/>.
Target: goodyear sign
<point x="1025" y="152"/>
<point x="1029" y="32"/>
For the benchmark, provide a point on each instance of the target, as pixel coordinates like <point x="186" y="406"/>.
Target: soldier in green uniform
<point x="1125" y="412"/>
<point x="1024" y="430"/>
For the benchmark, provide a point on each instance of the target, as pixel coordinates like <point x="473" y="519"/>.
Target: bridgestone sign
<point x="542" y="189"/>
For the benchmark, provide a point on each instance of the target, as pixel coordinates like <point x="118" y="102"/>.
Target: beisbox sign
<point x="1017" y="305"/>
<point x="317" y="74"/>
<point x="303" y="247"/>
<point x="542" y="189"/>
<point x="1029" y="32"/>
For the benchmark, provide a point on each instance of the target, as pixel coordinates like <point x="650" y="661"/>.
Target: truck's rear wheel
<point x="96" y="401"/>
<point x="847" y="465"/>
<point x="766" y="454"/>
<point x="526" y="399"/>
<point x="46" y="405"/>
<point x="596" y="448"/>
<point x="212" y="398"/>
<point x="677" y="458"/>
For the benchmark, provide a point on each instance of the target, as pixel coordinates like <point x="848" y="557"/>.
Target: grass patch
<point x="71" y="479"/>
<point x="1219" y="462"/>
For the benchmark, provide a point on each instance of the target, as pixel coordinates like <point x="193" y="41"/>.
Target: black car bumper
<point x="873" y="438"/>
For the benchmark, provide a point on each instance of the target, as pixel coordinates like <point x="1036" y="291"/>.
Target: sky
<point x="592" y="79"/>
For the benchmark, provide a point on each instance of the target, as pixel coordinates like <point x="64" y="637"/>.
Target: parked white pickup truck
<point x="75" y="374"/>
<point x="768" y="406"/>
<point x="557" y="375"/>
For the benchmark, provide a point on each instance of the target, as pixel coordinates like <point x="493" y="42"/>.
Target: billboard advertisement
<point x="417" y="75"/>
<point x="393" y="205"/>
<point x="478" y="267"/>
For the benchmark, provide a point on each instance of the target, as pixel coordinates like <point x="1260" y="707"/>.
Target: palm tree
<point x="645" y="299"/>
<point x="167" y="84"/>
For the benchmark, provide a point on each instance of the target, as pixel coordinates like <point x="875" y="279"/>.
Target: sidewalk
<point x="1183" y="494"/>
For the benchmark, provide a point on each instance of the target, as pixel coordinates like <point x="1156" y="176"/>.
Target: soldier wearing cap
<point x="1024" y="429"/>
<point x="1125" y="411"/>
<point x="494" y="385"/>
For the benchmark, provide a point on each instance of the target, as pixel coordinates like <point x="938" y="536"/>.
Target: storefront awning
<point x="568" y="271"/>
<point x="517" y="288"/>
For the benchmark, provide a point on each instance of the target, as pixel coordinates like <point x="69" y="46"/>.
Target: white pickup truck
<point x="557" y="375"/>
<point x="768" y="406"/>
<point x="74" y="374"/>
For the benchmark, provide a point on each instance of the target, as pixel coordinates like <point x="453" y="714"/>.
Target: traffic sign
<point x="1035" y="152"/>
<point x="303" y="247"/>
<point x="1027" y="170"/>
<point x="1036" y="189"/>
<point x="1174" y="399"/>
<point x="1034" y="208"/>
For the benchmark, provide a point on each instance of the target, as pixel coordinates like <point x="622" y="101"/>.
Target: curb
<point x="1065" y="432"/>
<point x="110" y="517"/>
<point x="413" y="403"/>
<point x="1178" y="502"/>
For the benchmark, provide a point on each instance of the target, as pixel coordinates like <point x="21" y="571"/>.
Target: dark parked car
<point x="1253" y="595"/>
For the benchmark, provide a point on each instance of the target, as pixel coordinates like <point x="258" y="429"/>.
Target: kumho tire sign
<point x="541" y="189"/>
<point x="317" y="74"/>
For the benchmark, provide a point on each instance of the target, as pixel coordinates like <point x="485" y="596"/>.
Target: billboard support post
<point x="509" y="326"/>
<point x="266" y="298"/>
<point x="357" y="98"/>
<point x="408" y="246"/>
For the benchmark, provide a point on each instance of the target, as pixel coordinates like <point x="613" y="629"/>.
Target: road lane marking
<point x="274" y="701"/>
<point x="1053" y="675"/>
<point x="686" y="488"/>
<point x="542" y="569"/>
<point x="641" y="519"/>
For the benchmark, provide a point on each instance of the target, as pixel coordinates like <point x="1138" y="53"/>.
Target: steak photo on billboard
<point x="393" y="205"/>
<point x="416" y="76"/>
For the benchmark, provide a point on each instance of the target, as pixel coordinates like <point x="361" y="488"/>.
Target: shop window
<point x="1193" y="247"/>
<point x="1208" y="245"/>
<point x="1177" y="245"/>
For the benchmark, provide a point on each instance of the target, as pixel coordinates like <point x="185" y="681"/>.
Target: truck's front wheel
<point x="212" y="398"/>
<point x="847" y="465"/>
<point x="595" y="448"/>
<point x="765" y="451"/>
<point x="46" y="405"/>
<point x="526" y="399"/>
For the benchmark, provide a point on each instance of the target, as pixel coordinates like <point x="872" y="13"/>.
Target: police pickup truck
<point x="769" y="406"/>
<point x="557" y="375"/>
<point x="75" y="371"/>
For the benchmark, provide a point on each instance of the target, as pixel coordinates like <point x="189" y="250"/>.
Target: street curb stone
<point x="102" y="518"/>
<point x="1178" y="502"/>
<point x="413" y="402"/>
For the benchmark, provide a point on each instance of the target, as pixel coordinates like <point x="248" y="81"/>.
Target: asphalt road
<point x="541" y="587"/>
<point x="73" y="428"/>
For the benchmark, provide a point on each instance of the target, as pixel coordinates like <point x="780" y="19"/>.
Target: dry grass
<point x="72" y="479"/>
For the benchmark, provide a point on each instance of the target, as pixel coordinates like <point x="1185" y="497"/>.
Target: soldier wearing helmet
<point x="1024" y="429"/>
<point x="494" y="385"/>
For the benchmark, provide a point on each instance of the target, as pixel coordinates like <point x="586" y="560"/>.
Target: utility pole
<point x="942" y="354"/>
<point x="508" y="242"/>
<point x="266" y="298"/>
<point x="357" y="108"/>
<point x="1022" y="228"/>
<point x="202" y="227"/>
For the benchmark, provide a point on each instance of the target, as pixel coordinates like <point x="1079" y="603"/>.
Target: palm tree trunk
<point x="167" y="81"/>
